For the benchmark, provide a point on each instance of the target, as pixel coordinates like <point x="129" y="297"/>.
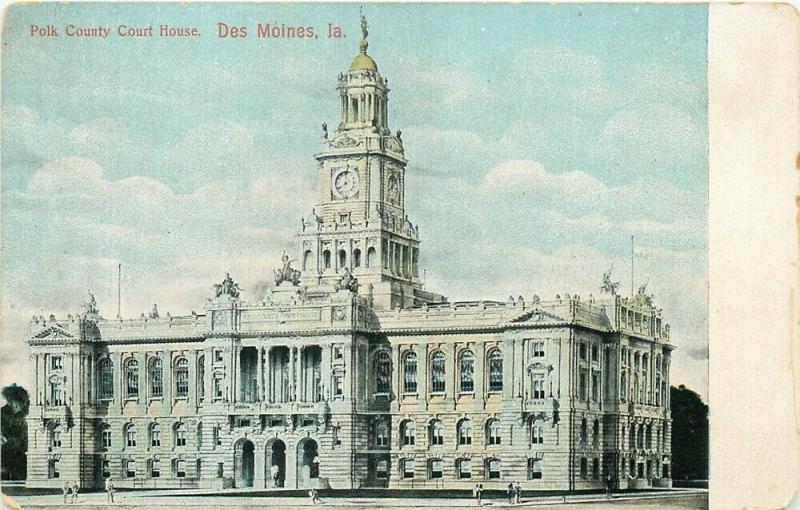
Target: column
<point x="92" y="387"/>
<point x="325" y="371"/>
<point x="508" y="368"/>
<point x="397" y="370"/>
<point x="166" y="381"/>
<point x="518" y="364"/>
<point x="480" y="374"/>
<point x="141" y="358"/>
<point x="291" y="373"/>
<point x="209" y="373"/>
<point x="451" y="374"/>
<point x="73" y="397"/>
<point x="191" y="400"/>
<point x="234" y="375"/>
<point x="260" y="374"/>
<point x="33" y="369"/>
<point x="422" y="372"/>
<point x="348" y="370"/>
<point x="267" y="375"/>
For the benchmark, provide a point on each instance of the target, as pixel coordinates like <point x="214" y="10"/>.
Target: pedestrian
<point x="609" y="485"/>
<point x="510" y="493"/>
<point x="316" y="496"/>
<point x="311" y="495"/>
<point x="480" y="493"/>
<point x="75" y="489"/>
<point x="518" y="493"/>
<point x="66" y="491"/>
<point x="110" y="490"/>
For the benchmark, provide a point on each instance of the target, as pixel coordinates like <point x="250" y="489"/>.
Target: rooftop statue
<point x="91" y="304"/>
<point x="227" y="288"/>
<point x="608" y="286"/>
<point x="286" y="273"/>
<point x="643" y="297"/>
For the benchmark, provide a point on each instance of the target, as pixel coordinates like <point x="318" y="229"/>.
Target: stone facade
<point x="348" y="373"/>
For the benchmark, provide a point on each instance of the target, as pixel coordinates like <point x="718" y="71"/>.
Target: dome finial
<point x="363" y="44"/>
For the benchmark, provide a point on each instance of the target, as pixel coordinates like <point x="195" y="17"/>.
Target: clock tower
<point x="359" y="223"/>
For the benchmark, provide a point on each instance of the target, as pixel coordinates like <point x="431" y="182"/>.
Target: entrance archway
<point x="243" y="463"/>
<point x="307" y="463"/>
<point x="276" y="464"/>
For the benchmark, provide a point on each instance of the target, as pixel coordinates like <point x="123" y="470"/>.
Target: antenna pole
<point x="119" y="290"/>
<point x="631" y="266"/>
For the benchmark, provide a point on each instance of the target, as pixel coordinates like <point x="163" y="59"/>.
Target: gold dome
<point x="363" y="61"/>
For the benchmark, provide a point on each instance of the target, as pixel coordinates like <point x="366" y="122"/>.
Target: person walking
<point x="517" y="493"/>
<point x="510" y="493"/>
<point x="480" y="494"/>
<point x="75" y="489"/>
<point x="66" y="491"/>
<point x="609" y="486"/>
<point x="110" y="490"/>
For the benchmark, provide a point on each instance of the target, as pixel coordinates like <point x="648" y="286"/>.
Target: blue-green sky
<point x="540" y="138"/>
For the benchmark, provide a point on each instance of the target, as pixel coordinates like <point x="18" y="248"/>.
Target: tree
<point x="689" y="434"/>
<point x="14" y="432"/>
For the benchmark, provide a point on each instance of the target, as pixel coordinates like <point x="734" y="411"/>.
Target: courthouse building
<point x="348" y="373"/>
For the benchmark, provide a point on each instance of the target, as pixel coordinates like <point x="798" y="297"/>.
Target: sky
<point x="540" y="138"/>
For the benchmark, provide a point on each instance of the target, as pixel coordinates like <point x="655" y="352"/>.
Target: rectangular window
<point x="595" y="386"/>
<point x="338" y="352"/>
<point x="106" y="438"/>
<point x="131" y="437"/>
<point x="582" y="351"/>
<point x="595" y="353"/>
<point x="180" y="437"/>
<point x="538" y="387"/>
<point x="216" y="436"/>
<point x="182" y="383"/>
<point x="217" y="355"/>
<point x="584" y="468"/>
<point x="56" y="363"/>
<point x="220" y="469"/>
<point x="130" y="468"/>
<point x="534" y="469"/>
<point x="338" y="389"/>
<point x="381" y="470"/>
<point x="583" y="385"/>
<point x="464" y="469"/>
<point x="106" y="469"/>
<point x="155" y="468"/>
<point x="436" y="469"/>
<point x="155" y="437"/>
<point x="437" y="439"/>
<point x="538" y="349"/>
<point x="56" y="395"/>
<point x="494" y="469"/>
<point x="408" y="468"/>
<point x="596" y="469"/>
<point x="56" y="443"/>
<point x="218" y="386"/>
<point x="197" y="465"/>
<point x="410" y="374"/>
<point x="53" y="469"/>
<point x="537" y="434"/>
<point x="180" y="468"/>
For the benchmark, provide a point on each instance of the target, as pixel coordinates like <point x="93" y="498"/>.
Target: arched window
<point x="201" y="377"/>
<point x="493" y="469"/>
<point x="356" y="258"/>
<point x="371" y="256"/>
<point x="467" y="369"/>
<point x="464" y="431"/>
<point x="437" y="372"/>
<point x="105" y="435"/>
<point x="182" y="378"/>
<point x="383" y="373"/>
<point x="156" y="378"/>
<point x="596" y="433"/>
<point x="381" y="434"/>
<point x="623" y="387"/>
<point x="308" y="259"/>
<point x="640" y="436"/>
<point x="180" y="434"/>
<point x="495" y="370"/>
<point x="410" y="372"/>
<point x="408" y="431"/>
<point x="131" y="378"/>
<point x="632" y="436"/>
<point x="326" y="259"/>
<point x="436" y="433"/>
<point x="342" y="259"/>
<point x="106" y="377"/>
<point x="537" y="432"/>
<point x="464" y="468"/>
<point x="649" y="436"/>
<point x="493" y="432"/>
<point x="584" y="432"/>
<point x="130" y="435"/>
<point x="155" y="434"/>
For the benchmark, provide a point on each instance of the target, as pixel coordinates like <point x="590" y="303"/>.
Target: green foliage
<point x="14" y="432"/>
<point x="689" y="435"/>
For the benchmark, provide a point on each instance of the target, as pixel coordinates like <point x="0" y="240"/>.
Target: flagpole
<point x="631" y="266"/>
<point x="119" y="290"/>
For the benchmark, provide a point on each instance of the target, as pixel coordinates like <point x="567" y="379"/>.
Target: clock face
<point x="345" y="184"/>
<point x="393" y="190"/>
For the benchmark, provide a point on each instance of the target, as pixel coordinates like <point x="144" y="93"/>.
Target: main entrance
<point x="276" y="464"/>
<point x="307" y="464"/>
<point x="243" y="463"/>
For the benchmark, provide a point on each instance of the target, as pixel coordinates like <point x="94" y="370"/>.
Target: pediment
<point x="537" y="316"/>
<point x="52" y="333"/>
